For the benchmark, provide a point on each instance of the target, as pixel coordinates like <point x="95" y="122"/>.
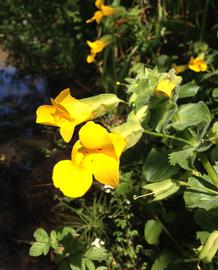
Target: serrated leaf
<point x="190" y="115"/>
<point x="189" y="89"/>
<point x="96" y="254"/>
<point x="38" y="249"/>
<point x="210" y="248"/>
<point x="41" y="235"/>
<point x="184" y="158"/>
<point x="154" y="173"/>
<point x="163" y="189"/>
<point x="65" y="231"/>
<point x="198" y="197"/>
<point x="152" y="231"/>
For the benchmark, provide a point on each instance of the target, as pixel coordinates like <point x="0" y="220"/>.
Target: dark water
<point x="26" y="193"/>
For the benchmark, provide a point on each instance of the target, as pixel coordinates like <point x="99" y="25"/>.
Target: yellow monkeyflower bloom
<point x="104" y="11"/>
<point x="166" y="87"/>
<point x="97" y="46"/>
<point x="198" y="64"/>
<point x="65" y="112"/>
<point x="179" y="68"/>
<point x="96" y="153"/>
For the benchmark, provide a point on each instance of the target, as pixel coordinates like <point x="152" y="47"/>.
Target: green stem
<point x="210" y="170"/>
<point x="166" y="136"/>
<point x="185" y="184"/>
<point x="204" y="18"/>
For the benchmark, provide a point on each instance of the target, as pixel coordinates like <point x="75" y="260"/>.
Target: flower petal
<point x="73" y="181"/>
<point x="79" y="111"/>
<point x="94" y="137"/>
<point x="64" y="97"/>
<point x="119" y="143"/>
<point x="66" y="130"/>
<point x="166" y="87"/>
<point x="96" y="17"/>
<point x="90" y="58"/>
<point x="104" y="167"/>
<point x="45" y="115"/>
<point x="99" y="3"/>
<point x="107" y="10"/>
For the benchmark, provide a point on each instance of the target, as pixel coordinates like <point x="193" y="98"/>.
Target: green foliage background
<point x="174" y="223"/>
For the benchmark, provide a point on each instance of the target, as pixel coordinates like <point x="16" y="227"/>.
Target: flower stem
<point x="210" y="170"/>
<point x="166" y="136"/>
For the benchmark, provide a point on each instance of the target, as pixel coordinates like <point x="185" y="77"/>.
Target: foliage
<point x="162" y="212"/>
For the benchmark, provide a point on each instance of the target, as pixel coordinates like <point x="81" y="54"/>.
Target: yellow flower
<point x="104" y="11"/>
<point x="165" y="87"/>
<point x="197" y="64"/>
<point x="179" y="68"/>
<point x="97" y="46"/>
<point x="96" y="153"/>
<point x="65" y="112"/>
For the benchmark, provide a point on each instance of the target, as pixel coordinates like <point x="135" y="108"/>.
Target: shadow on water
<point x="26" y="195"/>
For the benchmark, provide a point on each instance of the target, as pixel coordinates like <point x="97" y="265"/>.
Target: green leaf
<point x="41" y="235"/>
<point x="184" y="158"/>
<point x="210" y="248"/>
<point x="207" y="220"/>
<point x="163" y="261"/>
<point x="190" y="115"/>
<point x="202" y="236"/>
<point x="154" y="173"/>
<point x="215" y="94"/>
<point x="102" y="268"/>
<point x="38" y="249"/>
<point x="102" y="103"/>
<point x="53" y="240"/>
<point x="126" y="185"/>
<point x="189" y="89"/>
<point x="139" y="116"/>
<point x="152" y="231"/>
<point x="198" y="197"/>
<point x="89" y="264"/>
<point x="163" y="189"/>
<point x="65" y="231"/>
<point x="76" y="262"/>
<point x="96" y="254"/>
<point x="131" y="131"/>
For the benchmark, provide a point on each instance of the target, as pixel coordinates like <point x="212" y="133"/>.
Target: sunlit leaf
<point x="152" y="231"/>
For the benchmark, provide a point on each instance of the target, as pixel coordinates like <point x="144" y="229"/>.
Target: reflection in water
<point x="23" y="166"/>
<point x="19" y="93"/>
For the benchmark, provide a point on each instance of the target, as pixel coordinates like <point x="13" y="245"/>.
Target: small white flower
<point x="97" y="243"/>
<point x="107" y="189"/>
<point x="127" y="201"/>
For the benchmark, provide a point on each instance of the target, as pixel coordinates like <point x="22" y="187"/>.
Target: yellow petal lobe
<point x="198" y="64"/>
<point x="107" y="10"/>
<point x="99" y="3"/>
<point x="94" y="137"/>
<point x="119" y="143"/>
<point x="66" y="131"/>
<point x="165" y="87"/>
<point x="104" y="167"/>
<point x="45" y="115"/>
<point x="72" y="180"/>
